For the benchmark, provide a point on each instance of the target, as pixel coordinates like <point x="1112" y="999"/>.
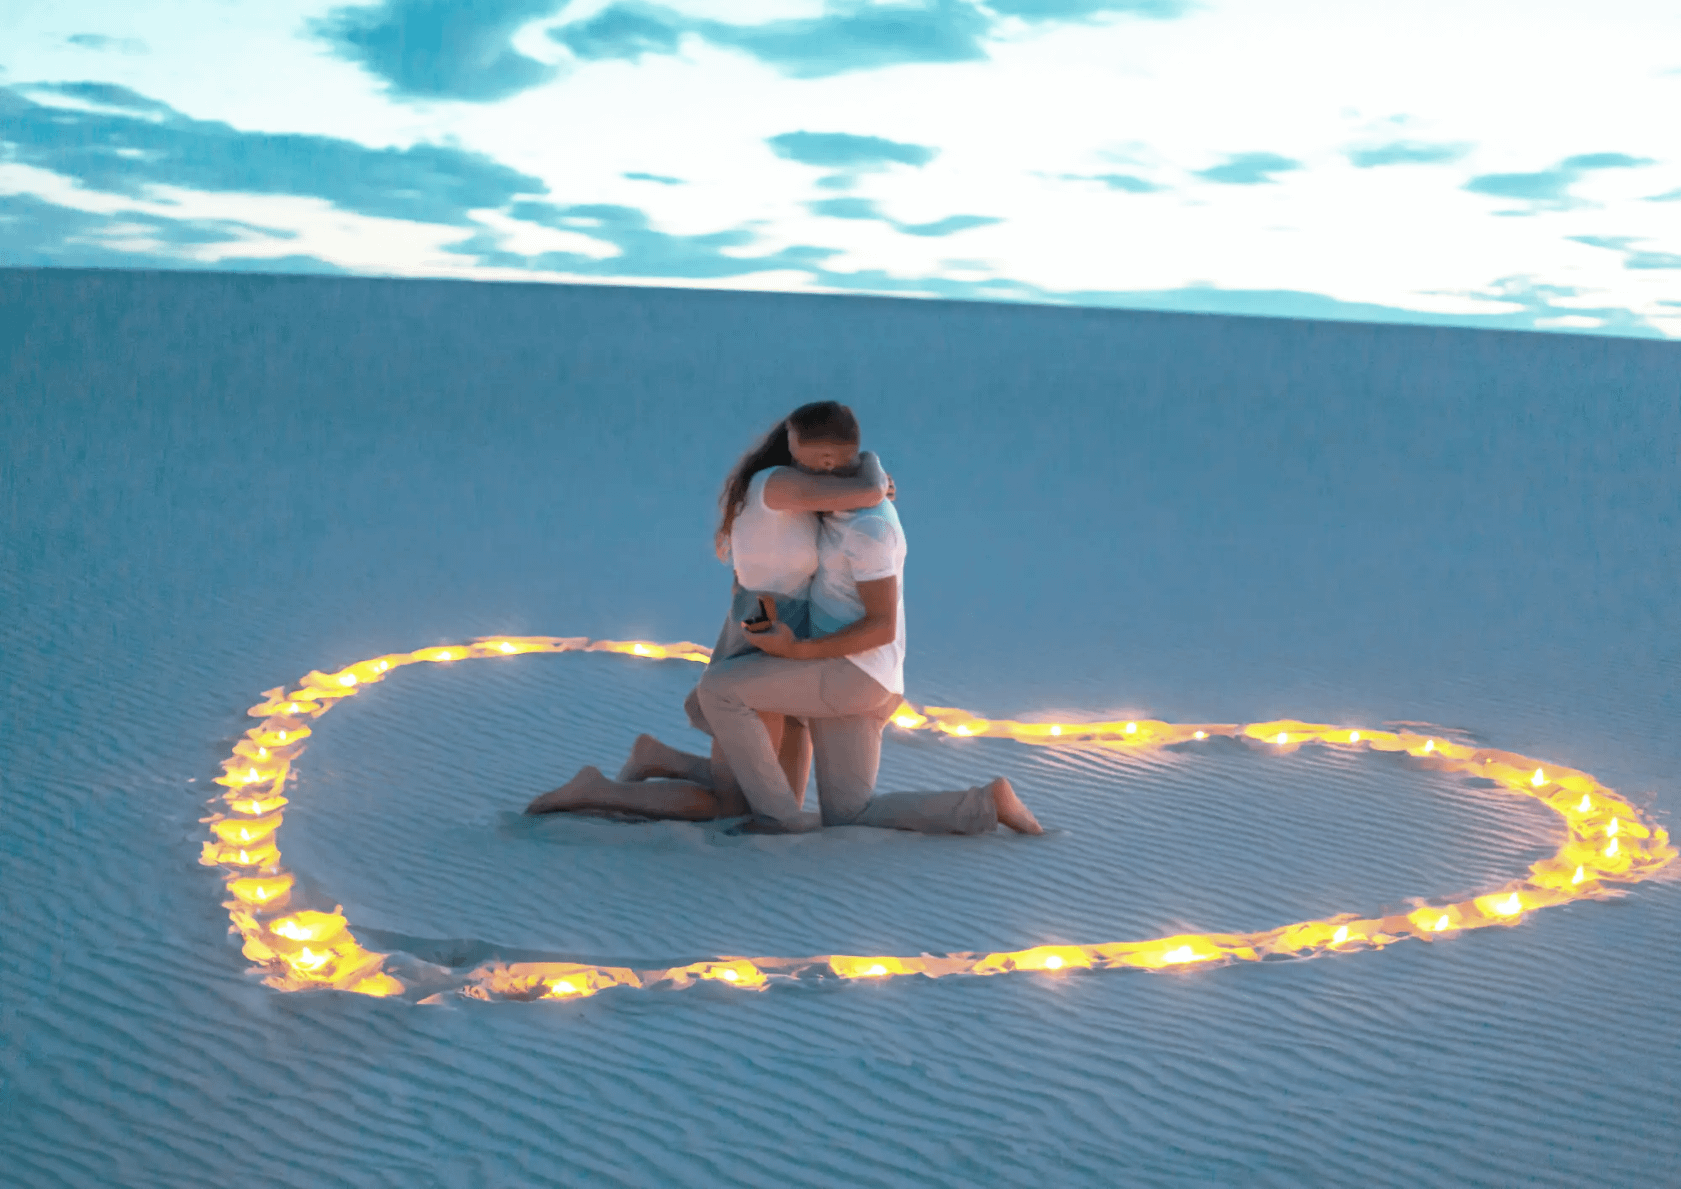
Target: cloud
<point x="851" y="36"/>
<point x="148" y="143"/>
<point x="625" y="32"/>
<point x="1407" y="152"/>
<point x="1115" y="181"/>
<point x="864" y="208"/>
<point x="846" y="208"/>
<point x="35" y="232"/>
<point x="440" y="49"/>
<point x="842" y="150"/>
<point x="654" y="177"/>
<point x="1249" y="169"/>
<point x="1077" y="10"/>
<point x="642" y="250"/>
<point x="950" y="225"/>
<point x="1549" y="189"/>
<point x="1604" y="161"/>
<point x="1640" y="258"/>
<point x="98" y="41"/>
<point x="1671" y="196"/>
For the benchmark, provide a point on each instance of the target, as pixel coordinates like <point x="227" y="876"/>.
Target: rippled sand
<point x="218" y="483"/>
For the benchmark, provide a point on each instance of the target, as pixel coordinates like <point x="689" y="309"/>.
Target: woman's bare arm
<point x="792" y="490"/>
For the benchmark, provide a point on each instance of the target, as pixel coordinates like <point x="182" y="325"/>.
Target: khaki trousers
<point x="846" y="710"/>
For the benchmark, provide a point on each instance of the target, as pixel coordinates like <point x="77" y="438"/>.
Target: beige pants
<point x="846" y="710"/>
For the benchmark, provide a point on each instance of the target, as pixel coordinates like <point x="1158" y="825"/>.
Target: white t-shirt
<point x="854" y="547"/>
<point x="772" y="551"/>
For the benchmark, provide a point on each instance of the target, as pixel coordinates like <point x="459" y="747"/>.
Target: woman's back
<point x="771" y="550"/>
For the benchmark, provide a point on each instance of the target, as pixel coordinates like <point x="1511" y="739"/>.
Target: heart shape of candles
<point x="1607" y="843"/>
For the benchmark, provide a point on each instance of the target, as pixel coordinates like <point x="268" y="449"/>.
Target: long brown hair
<point x="820" y="421"/>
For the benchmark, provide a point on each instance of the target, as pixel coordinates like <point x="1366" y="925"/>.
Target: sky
<point x="1502" y="164"/>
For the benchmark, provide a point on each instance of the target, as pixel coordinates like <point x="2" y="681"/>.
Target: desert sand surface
<point x="218" y="483"/>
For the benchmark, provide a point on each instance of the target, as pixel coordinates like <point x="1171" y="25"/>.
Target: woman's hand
<point x="777" y="640"/>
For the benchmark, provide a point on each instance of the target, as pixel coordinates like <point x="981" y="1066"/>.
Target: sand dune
<point x="219" y="483"/>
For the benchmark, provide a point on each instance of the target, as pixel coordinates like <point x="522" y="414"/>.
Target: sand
<point x="216" y="484"/>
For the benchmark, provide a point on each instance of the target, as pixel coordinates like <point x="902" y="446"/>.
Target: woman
<point x="808" y="463"/>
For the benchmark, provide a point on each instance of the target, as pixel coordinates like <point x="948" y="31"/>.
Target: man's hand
<point x="777" y="640"/>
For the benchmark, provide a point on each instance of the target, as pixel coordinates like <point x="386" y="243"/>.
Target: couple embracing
<point x="809" y="665"/>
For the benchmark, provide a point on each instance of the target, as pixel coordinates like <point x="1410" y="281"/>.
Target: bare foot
<point x="1011" y="812"/>
<point x="652" y="760"/>
<point x="574" y="794"/>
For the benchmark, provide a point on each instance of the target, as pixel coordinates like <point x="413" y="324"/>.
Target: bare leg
<point x="794" y="755"/>
<point x="681" y="800"/>
<point x="652" y="760"/>
<point x="1011" y="812"/>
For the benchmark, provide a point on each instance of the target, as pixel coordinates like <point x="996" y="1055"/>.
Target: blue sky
<point x="1497" y="164"/>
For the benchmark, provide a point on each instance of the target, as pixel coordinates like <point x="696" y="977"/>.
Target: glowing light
<point x="244" y="849"/>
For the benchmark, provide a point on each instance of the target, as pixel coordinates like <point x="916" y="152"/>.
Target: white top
<point x="854" y="547"/>
<point x="772" y="551"/>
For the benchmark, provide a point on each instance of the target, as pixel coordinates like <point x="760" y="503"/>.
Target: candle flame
<point x="1587" y="804"/>
<point x="1429" y="745"/>
<point x="1441" y="923"/>
<point x="905" y="720"/>
<point x="348" y="679"/>
<point x="1132" y="728"/>
<point x="1611" y="830"/>
<point x="1056" y="730"/>
<point x="1539" y="779"/>
<point x="1283" y="737"/>
<point x="1340" y="936"/>
<point x="505" y="646"/>
<point x="1577" y="878"/>
<point x="1202" y="734"/>
<point x="1354" y="736"/>
<point x="1053" y="963"/>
